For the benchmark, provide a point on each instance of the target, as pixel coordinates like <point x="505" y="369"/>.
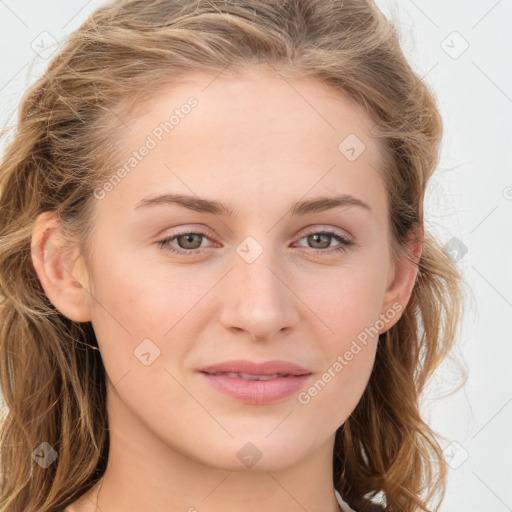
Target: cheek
<point x="347" y="299"/>
<point x="126" y="310"/>
<point x="334" y="394"/>
<point x="136" y="296"/>
<point x="348" y="357"/>
<point x="136" y="301"/>
<point x="348" y="302"/>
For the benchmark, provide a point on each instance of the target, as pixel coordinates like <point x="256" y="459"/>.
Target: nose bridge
<point x="258" y="300"/>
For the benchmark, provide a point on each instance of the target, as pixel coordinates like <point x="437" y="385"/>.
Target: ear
<point x="60" y="268"/>
<point x="401" y="280"/>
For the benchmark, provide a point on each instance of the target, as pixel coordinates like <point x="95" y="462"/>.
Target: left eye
<point x="190" y="242"/>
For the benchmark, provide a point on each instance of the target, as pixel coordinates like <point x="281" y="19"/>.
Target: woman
<point x="218" y="292"/>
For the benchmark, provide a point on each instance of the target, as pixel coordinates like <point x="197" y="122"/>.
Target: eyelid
<point x="322" y="228"/>
<point x="189" y="228"/>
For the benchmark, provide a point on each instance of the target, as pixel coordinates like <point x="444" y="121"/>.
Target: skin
<point x="259" y="144"/>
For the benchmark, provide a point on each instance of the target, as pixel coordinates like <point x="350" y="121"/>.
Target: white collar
<point x="342" y="504"/>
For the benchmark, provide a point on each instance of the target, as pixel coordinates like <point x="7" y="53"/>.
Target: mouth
<point x="250" y="376"/>
<point x="256" y="383"/>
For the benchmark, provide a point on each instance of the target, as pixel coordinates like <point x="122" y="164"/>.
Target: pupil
<point x="319" y="235"/>
<point x="189" y="241"/>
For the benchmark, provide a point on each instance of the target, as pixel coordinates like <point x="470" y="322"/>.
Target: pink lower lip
<point x="257" y="392"/>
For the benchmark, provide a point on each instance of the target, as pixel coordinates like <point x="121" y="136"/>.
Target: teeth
<point x="248" y="376"/>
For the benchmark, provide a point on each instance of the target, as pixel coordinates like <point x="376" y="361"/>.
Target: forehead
<point x="258" y="99"/>
<point x="252" y="134"/>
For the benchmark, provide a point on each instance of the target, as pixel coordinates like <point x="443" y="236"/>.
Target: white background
<point x="469" y="199"/>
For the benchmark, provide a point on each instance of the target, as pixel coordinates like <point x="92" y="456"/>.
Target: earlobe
<point x="58" y="266"/>
<point x="402" y="282"/>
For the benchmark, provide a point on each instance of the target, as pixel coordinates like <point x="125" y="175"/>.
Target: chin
<point x="253" y="451"/>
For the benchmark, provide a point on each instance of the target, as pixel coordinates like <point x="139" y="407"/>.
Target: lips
<point x="256" y="383"/>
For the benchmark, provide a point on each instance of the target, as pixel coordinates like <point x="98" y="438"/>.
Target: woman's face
<point x="258" y="278"/>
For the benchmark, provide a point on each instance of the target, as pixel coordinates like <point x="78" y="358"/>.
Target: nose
<point x="259" y="300"/>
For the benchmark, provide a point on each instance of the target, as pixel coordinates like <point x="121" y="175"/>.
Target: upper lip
<point x="253" y="368"/>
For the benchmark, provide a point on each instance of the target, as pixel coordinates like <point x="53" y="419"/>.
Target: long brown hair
<point x="53" y="381"/>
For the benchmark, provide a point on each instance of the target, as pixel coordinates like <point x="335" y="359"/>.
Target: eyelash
<point x="345" y="242"/>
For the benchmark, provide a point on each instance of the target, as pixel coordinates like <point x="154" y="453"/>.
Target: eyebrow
<point x="198" y="204"/>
